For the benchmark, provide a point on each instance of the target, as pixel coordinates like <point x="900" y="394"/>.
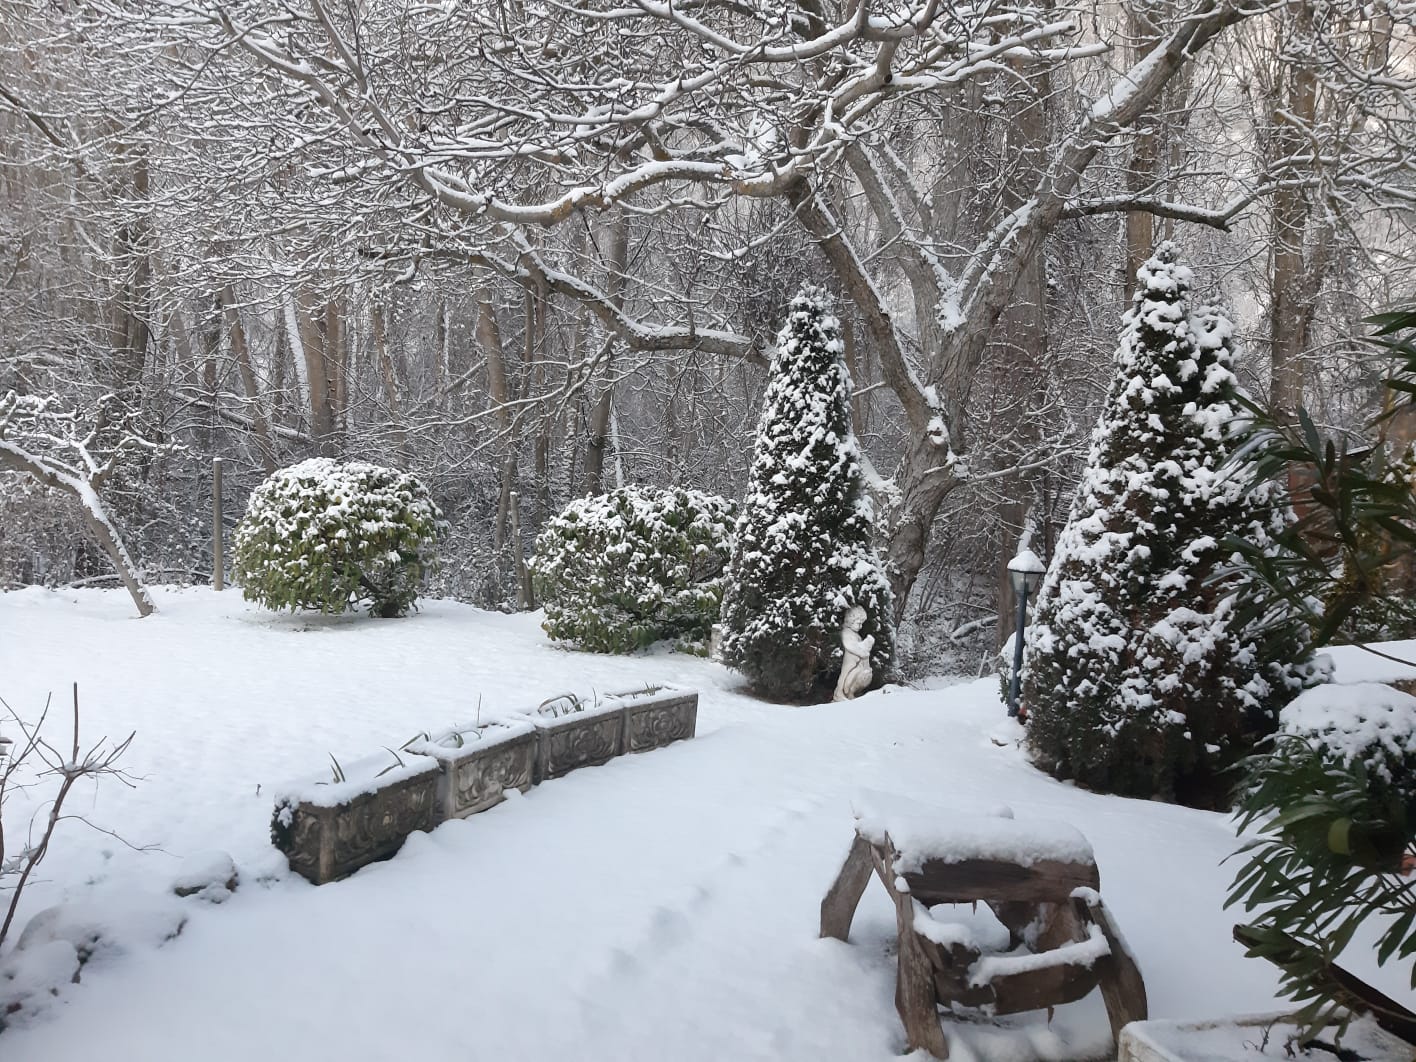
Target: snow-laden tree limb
<point x="1221" y="217"/>
<point x="493" y="136"/>
<point x="59" y="451"/>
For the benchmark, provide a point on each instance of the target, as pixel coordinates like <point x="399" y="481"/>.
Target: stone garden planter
<point x="657" y="716"/>
<point x="478" y="764"/>
<point x="329" y="829"/>
<point x="572" y="733"/>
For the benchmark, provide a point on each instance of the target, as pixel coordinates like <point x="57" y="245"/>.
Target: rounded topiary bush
<point x="618" y="571"/>
<point x="329" y="536"/>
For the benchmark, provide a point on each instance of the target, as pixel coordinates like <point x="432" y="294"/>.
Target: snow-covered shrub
<point x="619" y="571"/>
<point x="1143" y="678"/>
<point x="1334" y="805"/>
<point x="802" y="555"/>
<point x="326" y="535"/>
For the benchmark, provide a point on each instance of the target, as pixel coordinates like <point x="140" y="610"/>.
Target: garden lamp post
<point x="1025" y="574"/>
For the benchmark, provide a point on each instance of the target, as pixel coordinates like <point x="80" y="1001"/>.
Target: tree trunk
<point x="489" y="338"/>
<point x="310" y="339"/>
<point x="923" y="486"/>
<point x="336" y="350"/>
<point x="241" y="352"/>
<point x="442" y="350"/>
<point x="132" y="306"/>
<point x="1296" y="280"/>
<point x="599" y="426"/>
<point x="388" y="375"/>
<point x="211" y="351"/>
<point x="1143" y="171"/>
<point x="1023" y="341"/>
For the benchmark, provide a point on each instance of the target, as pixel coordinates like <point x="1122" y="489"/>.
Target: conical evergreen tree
<point x="1141" y="679"/>
<point x="802" y="556"/>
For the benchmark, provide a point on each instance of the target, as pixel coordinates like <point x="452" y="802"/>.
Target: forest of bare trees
<point x="533" y="250"/>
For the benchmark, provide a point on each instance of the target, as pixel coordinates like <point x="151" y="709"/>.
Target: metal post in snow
<point x="218" y="545"/>
<point x="1025" y="573"/>
<point x="1016" y="681"/>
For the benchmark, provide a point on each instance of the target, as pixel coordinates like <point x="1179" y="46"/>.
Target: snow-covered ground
<point x="664" y="906"/>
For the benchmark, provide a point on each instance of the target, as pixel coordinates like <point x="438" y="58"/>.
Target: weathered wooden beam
<point x="1122" y="987"/>
<point x="952" y="969"/>
<point x="838" y="907"/>
<point x="914" y="982"/>
<point x="1047" y="986"/>
<point x="999" y="881"/>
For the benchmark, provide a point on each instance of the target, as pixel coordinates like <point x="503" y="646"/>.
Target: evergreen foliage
<point x="1333" y="804"/>
<point x="1347" y="567"/>
<point x="622" y="570"/>
<point x="1376" y="581"/>
<point x="1333" y="800"/>
<point x="802" y="555"/>
<point x="327" y="535"/>
<point x="1142" y="678"/>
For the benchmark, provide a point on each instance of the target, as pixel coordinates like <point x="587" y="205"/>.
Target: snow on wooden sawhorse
<point x="1039" y="878"/>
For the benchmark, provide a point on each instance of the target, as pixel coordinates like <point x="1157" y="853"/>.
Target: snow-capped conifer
<point x="326" y="535"/>
<point x="619" y="571"/>
<point x="1141" y="679"/>
<point x="802" y="555"/>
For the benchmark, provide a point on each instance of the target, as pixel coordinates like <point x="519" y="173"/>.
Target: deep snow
<point x="663" y="906"/>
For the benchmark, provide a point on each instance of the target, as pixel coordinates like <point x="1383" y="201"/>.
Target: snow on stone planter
<point x="1252" y="1038"/>
<point x="329" y="828"/>
<point x="657" y="716"/>
<point x="478" y="764"/>
<point x="574" y="733"/>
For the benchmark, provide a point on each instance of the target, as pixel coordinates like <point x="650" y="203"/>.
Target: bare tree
<point x="396" y="231"/>
<point x="33" y="763"/>
<point x="766" y="107"/>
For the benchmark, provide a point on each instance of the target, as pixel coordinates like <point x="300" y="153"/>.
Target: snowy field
<point x="662" y="907"/>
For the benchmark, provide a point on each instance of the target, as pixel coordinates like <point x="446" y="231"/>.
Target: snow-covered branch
<point x="67" y="452"/>
<point x="817" y="219"/>
<point x="1221" y="217"/>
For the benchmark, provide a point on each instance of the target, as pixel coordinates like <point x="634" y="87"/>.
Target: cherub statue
<point x="855" y="657"/>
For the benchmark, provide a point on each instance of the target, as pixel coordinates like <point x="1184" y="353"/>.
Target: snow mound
<point x="120" y="926"/>
<point x="210" y="875"/>
<point x="28" y="976"/>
